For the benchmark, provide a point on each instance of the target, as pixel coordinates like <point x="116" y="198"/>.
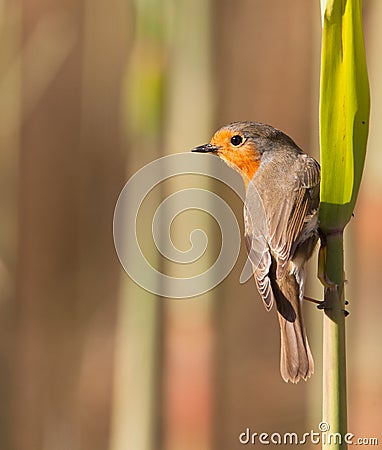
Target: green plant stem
<point x="334" y="350"/>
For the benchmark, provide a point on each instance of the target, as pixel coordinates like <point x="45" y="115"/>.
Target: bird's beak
<point x="206" y="148"/>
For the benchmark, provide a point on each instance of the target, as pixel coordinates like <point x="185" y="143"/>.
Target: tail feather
<point x="296" y="361"/>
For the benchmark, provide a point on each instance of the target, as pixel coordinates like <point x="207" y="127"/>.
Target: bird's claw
<point x="323" y="306"/>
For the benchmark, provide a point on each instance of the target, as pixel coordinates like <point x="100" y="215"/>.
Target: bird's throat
<point x="246" y="166"/>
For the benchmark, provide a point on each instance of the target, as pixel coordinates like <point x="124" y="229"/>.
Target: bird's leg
<point x="313" y="300"/>
<point x="320" y="303"/>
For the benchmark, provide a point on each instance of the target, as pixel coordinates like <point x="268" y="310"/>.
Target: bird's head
<point x="242" y="144"/>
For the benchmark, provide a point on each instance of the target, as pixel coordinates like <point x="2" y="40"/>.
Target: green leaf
<point x="344" y="111"/>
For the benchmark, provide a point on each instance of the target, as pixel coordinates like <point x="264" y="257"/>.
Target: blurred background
<point x="90" y="92"/>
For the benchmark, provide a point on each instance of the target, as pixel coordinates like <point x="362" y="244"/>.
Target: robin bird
<point x="281" y="225"/>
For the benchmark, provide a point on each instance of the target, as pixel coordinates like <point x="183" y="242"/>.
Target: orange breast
<point x="246" y="163"/>
<point x="248" y="168"/>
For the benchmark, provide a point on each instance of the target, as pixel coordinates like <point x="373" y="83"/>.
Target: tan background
<point x="91" y="91"/>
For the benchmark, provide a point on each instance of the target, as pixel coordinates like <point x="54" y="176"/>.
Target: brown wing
<point x="256" y="235"/>
<point x="275" y="216"/>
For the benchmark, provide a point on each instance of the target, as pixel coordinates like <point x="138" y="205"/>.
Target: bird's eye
<point x="236" y="140"/>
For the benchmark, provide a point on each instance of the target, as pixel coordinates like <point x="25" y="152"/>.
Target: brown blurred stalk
<point x="70" y="174"/>
<point x="188" y="323"/>
<point x="10" y="118"/>
<point x="137" y="378"/>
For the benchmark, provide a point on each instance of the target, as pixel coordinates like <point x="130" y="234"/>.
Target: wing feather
<point x="275" y="216"/>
